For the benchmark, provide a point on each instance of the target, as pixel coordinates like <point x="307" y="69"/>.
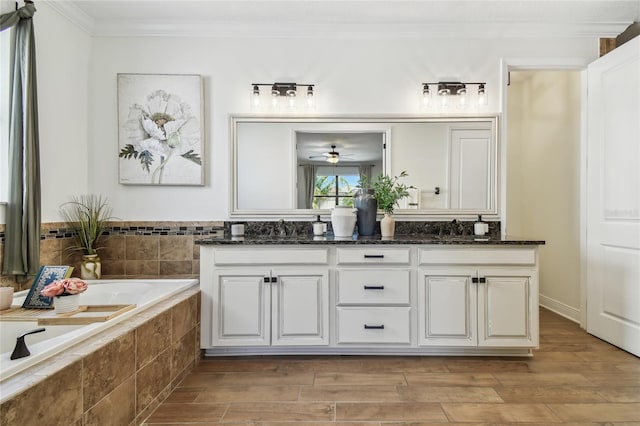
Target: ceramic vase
<point x="387" y="225"/>
<point x="367" y="205"/>
<point x="65" y="304"/>
<point x="6" y="297"/>
<point x="343" y="221"/>
<point x="90" y="268"/>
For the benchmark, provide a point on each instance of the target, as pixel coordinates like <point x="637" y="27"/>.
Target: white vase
<point x="6" y="297"/>
<point x="65" y="304"/>
<point x="91" y="267"/>
<point x="343" y="221"/>
<point x="387" y="225"/>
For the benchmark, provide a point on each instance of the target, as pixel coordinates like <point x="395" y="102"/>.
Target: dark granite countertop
<point x="398" y="239"/>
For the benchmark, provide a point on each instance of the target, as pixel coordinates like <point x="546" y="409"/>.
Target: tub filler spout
<point x="21" y="351"/>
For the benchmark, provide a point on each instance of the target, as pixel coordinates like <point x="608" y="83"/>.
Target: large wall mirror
<point x="304" y="166"/>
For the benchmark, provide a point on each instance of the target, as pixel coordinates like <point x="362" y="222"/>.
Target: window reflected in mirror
<point x="330" y="165"/>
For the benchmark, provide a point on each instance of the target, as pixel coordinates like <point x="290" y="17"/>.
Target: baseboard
<point x="560" y="308"/>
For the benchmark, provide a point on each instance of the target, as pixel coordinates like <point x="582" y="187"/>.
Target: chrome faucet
<point x="454" y="225"/>
<point x="282" y="228"/>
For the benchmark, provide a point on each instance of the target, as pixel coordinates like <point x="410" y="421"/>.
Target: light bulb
<point x="255" y="97"/>
<point x="291" y="98"/>
<point x="333" y="159"/>
<point x="482" y="95"/>
<point x="444" y="98"/>
<point x="462" y="98"/>
<point x="426" y="96"/>
<point x="444" y="93"/>
<point x="310" y="98"/>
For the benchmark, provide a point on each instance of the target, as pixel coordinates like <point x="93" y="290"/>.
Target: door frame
<point x="552" y="64"/>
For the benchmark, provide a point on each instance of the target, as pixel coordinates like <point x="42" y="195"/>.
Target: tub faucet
<point x="21" y="351"/>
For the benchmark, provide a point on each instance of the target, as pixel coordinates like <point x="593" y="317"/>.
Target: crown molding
<point x="72" y="13"/>
<point x="361" y="30"/>
<point x="388" y="30"/>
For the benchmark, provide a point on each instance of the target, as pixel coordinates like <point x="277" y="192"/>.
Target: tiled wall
<point x="118" y="380"/>
<point x="130" y="249"/>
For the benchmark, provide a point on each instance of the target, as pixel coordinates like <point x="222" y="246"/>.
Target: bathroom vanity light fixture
<point x="283" y="96"/>
<point x="446" y="89"/>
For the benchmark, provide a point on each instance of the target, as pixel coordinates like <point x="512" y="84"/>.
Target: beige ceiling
<point x="309" y="17"/>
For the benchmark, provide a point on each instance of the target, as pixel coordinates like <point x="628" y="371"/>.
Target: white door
<point x="469" y="171"/>
<point x="613" y="197"/>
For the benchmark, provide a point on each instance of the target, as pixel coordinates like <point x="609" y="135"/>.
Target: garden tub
<point x="56" y="338"/>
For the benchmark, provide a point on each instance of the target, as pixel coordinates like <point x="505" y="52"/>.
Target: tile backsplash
<point x="129" y="249"/>
<point x="167" y="249"/>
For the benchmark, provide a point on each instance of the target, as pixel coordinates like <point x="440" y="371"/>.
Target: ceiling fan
<point x="332" y="156"/>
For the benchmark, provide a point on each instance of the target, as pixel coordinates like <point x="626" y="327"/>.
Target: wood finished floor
<point x="573" y="379"/>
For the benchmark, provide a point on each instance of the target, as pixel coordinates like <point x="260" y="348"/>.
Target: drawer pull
<point x="374" y="327"/>
<point x="373" y="287"/>
<point x="374" y="256"/>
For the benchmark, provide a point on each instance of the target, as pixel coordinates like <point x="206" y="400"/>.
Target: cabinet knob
<point x="374" y="256"/>
<point x="374" y="327"/>
<point x="373" y="287"/>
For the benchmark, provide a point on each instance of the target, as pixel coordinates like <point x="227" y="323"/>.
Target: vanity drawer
<point x="373" y="325"/>
<point x="477" y="256"/>
<point x="398" y="256"/>
<point x="267" y="256"/>
<point x="372" y="286"/>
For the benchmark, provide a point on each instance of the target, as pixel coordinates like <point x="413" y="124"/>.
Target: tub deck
<point x="85" y="314"/>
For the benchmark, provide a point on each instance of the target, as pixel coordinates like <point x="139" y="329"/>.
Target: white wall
<point x="63" y="55"/>
<point x="543" y="182"/>
<point x="62" y="60"/>
<point x="79" y="138"/>
<point x="351" y="76"/>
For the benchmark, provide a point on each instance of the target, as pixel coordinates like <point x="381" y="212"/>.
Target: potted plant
<point x="66" y="292"/>
<point x="87" y="216"/>
<point x="388" y="191"/>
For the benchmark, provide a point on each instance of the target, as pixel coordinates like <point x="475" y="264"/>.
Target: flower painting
<point x="160" y="129"/>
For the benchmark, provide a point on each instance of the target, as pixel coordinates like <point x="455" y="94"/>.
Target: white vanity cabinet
<point x="410" y="299"/>
<point x="373" y="296"/>
<point x="485" y="297"/>
<point x="285" y="302"/>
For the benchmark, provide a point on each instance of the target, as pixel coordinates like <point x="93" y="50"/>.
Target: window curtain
<point x="309" y="184"/>
<point x="365" y="172"/>
<point x="22" y="242"/>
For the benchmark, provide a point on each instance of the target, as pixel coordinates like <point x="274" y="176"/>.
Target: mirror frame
<point x="493" y="212"/>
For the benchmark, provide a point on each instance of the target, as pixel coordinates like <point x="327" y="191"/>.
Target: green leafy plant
<point x="388" y="191"/>
<point x="87" y="216"/>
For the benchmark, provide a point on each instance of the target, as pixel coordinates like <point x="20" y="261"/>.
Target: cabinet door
<point x="300" y="307"/>
<point x="507" y="308"/>
<point x="447" y="301"/>
<point x="241" y="307"/>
